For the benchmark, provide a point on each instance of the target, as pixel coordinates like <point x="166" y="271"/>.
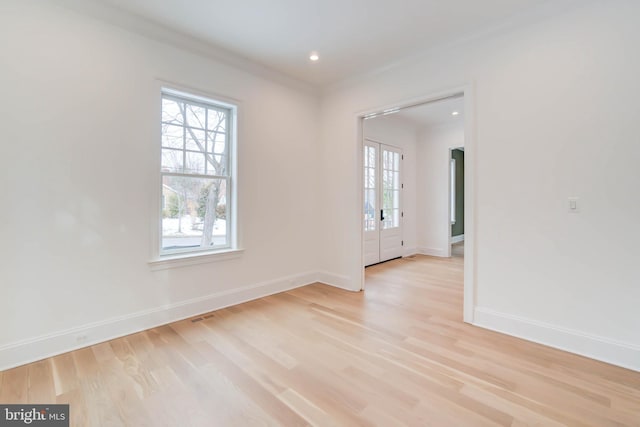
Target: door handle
<point x="381" y="215"/>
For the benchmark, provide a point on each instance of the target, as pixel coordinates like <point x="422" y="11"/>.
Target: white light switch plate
<point x="574" y="206"/>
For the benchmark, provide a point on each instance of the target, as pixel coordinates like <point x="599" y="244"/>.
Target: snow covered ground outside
<point x="170" y="227"/>
<point x="190" y="236"/>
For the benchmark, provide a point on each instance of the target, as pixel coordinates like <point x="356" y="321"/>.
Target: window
<point x="196" y="174"/>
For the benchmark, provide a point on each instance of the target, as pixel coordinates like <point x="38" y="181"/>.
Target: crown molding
<point x="153" y="30"/>
<point x="507" y="26"/>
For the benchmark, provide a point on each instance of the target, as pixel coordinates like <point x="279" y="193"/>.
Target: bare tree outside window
<point x="195" y="174"/>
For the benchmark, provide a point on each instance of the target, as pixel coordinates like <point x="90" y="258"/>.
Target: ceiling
<point x="435" y="113"/>
<point x="431" y="114"/>
<point x="351" y="36"/>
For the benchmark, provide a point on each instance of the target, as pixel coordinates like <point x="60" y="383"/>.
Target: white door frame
<point x="470" y="181"/>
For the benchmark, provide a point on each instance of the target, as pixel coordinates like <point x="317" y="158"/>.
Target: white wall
<point x="433" y="177"/>
<point x="401" y="134"/>
<point x="78" y="121"/>
<point x="561" y="92"/>
<point x="79" y="114"/>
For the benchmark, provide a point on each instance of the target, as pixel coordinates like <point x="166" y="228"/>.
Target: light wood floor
<point x="397" y="354"/>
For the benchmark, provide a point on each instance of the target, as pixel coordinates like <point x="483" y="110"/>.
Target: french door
<point x="382" y="202"/>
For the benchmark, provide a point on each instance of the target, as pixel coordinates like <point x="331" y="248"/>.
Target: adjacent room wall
<point x="561" y="91"/>
<point x="400" y="133"/>
<point x="433" y="158"/>
<point x="457" y="229"/>
<point x="79" y="113"/>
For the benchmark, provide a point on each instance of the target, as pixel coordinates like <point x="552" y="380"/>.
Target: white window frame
<point x="162" y="259"/>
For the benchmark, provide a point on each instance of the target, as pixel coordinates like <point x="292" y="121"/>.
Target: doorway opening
<point x="456" y="198"/>
<point x="383" y="214"/>
<point x="417" y="208"/>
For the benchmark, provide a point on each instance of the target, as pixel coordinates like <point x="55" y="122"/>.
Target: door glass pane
<point x="390" y="189"/>
<point x="370" y="223"/>
<point x="370" y="210"/>
<point x="371" y="178"/>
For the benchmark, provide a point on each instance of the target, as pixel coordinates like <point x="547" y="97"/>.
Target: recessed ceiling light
<point x="314" y="56"/>
<point x="455" y="113"/>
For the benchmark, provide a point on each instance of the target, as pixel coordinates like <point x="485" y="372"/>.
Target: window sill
<point x="183" y="260"/>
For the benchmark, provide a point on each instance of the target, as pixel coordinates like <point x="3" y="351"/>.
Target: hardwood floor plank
<point x="86" y="363"/>
<point x="103" y="351"/>
<point x="15" y="385"/>
<point x="78" y="409"/>
<point x="310" y="412"/>
<point x="41" y="388"/>
<point x="65" y="375"/>
<point x="252" y="388"/>
<point x="397" y="354"/>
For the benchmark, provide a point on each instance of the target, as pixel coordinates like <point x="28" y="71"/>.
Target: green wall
<point x="458" y="228"/>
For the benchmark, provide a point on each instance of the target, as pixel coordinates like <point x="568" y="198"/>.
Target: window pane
<point x="171" y="112"/>
<point x="194" y="139"/>
<point x="172" y="142"/>
<point x="172" y="160"/>
<point x="194" y="163"/>
<point x="216" y="120"/>
<point x="194" y="213"/>
<point x="217" y="143"/>
<point x="196" y="116"/>
<point x="172" y="136"/>
<point x="205" y="152"/>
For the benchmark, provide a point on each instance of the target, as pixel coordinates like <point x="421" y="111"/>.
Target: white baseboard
<point x="600" y="348"/>
<point x="432" y="251"/>
<point x="457" y="239"/>
<point x="336" y="280"/>
<point x="410" y="251"/>
<point x="38" y="348"/>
